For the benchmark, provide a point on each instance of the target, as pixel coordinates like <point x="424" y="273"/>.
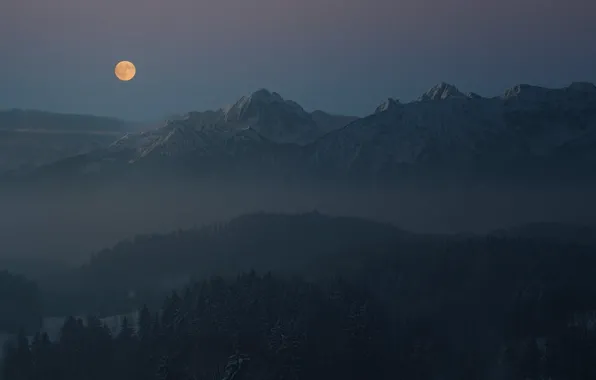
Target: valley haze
<point x="447" y="162"/>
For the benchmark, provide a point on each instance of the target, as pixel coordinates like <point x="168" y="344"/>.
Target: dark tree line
<point x="311" y="245"/>
<point x="259" y="326"/>
<point x="282" y="244"/>
<point x="264" y="327"/>
<point x="410" y="306"/>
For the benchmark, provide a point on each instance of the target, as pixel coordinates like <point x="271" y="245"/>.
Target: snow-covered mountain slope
<point x="387" y="105"/>
<point x="282" y="121"/>
<point x="193" y="142"/>
<point x="262" y="125"/>
<point x="261" y="118"/>
<point x="197" y="132"/>
<point x="263" y="113"/>
<point x="447" y="128"/>
<point x="442" y="91"/>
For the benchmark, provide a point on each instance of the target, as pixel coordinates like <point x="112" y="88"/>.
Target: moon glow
<point x="125" y="70"/>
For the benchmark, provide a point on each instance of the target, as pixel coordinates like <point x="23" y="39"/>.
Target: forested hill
<point x="259" y="241"/>
<point x="285" y="244"/>
<point x="449" y="324"/>
<point x="311" y="245"/>
<point x="450" y="307"/>
<point x="553" y="232"/>
<point x="256" y="327"/>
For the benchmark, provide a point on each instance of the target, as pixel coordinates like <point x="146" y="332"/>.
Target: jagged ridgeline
<point x="528" y="131"/>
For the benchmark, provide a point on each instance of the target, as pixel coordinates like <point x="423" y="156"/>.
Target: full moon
<point x="125" y="70"/>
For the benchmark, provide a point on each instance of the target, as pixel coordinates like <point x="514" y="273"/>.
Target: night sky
<point x="342" y="56"/>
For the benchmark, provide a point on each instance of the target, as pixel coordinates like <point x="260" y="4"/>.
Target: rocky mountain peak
<point x="524" y="91"/>
<point x="265" y="96"/>
<point x="387" y="105"/>
<point x="574" y="94"/>
<point x="250" y="106"/>
<point x="442" y="91"/>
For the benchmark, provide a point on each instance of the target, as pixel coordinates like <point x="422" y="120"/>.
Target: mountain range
<point x="528" y="130"/>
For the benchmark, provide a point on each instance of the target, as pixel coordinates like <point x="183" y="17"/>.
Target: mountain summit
<point x="246" y="106"/>
<point x="387" y="105"/>
<point x="442" y="91"/>
<point x="280" y="120"/>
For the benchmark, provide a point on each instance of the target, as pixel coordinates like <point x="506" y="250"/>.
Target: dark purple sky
<point x="343" y="56"/>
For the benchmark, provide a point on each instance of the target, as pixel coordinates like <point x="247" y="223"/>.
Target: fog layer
<point x="68" y="225"/>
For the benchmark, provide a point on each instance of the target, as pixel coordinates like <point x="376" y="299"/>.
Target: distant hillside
<point x="287" y="244"/>
<point x="311" y="245"/>
<point x="555" y="232"/>
<point x="30" y="138"/>
<point x="31" y="120"/>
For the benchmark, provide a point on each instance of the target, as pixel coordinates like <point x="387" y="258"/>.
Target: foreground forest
<point x="347" y="299"/>
<point x="263" y="327"/>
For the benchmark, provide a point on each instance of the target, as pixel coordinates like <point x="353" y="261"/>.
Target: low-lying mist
<point x="67" y="225"/>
